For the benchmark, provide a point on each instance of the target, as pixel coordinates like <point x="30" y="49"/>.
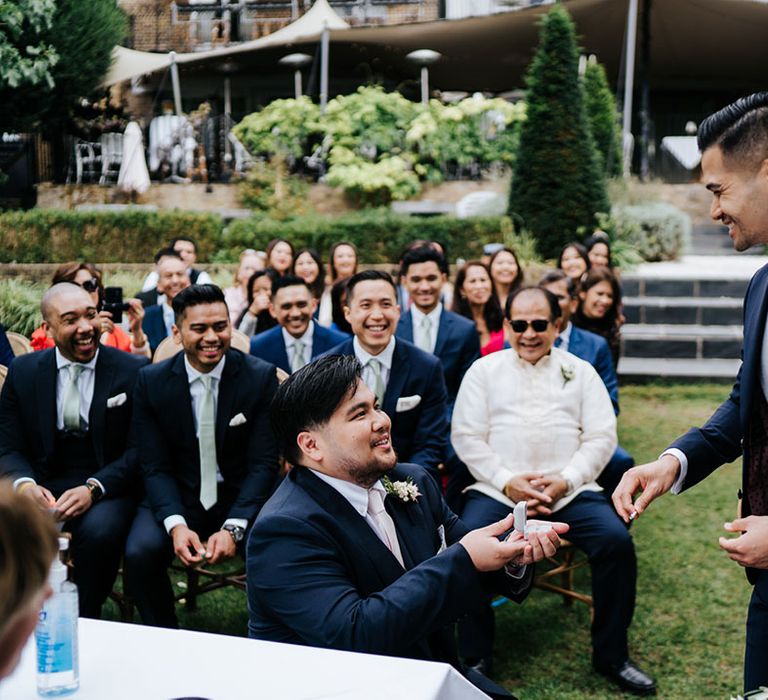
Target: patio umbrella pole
<point x="629" y="85"/>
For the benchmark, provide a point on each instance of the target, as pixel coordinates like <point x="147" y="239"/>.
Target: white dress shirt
<point x="357" y="496"/>
<point x="384" y="358"/>
<point x="168" y="317"/>
<point x="196" y="391"/>
<point x="307" y="338"/>
<point x="554" y="417"/>
<point x="565" y="337"/>
<point x="417" y="318"/>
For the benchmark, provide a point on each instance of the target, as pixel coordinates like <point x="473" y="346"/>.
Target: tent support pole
<point x="175" y="83"/>
<point x="629" y="85"/>
<point x="325" y="40"/>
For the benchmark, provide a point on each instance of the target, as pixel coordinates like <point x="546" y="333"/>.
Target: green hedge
<point x="50" y="235"/>
<point x="379" y="234"/>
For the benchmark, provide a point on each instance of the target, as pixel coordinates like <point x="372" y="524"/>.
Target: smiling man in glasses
<point x="536" y="424"/>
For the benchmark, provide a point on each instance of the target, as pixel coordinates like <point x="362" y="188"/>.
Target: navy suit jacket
<point x="457" y="346"/>
<point x="28" y="423"/>
<point x="270" y="346"/>
<point x="153" y="326"/>
<point x="318" y="574"/>
<point x="168" y="447"/>
<point x="6" y="352"/>
<point x="419" y="435"/>
<point x="719" y="440"/>
<point x="594" y="349"/>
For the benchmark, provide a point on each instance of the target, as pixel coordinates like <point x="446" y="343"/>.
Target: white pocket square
<point x="406" y="403"/>
<point x="239" y="419"/>
<point x="118" y="400"/>
<point x="443" y="544"/>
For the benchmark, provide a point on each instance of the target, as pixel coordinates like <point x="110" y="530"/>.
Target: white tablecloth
<point x="131" y="662"/>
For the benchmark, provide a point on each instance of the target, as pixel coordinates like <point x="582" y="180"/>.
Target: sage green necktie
<point x="298" y="356"/>
<point x="378" y="387"/>
<point x="426" y="334"/>
<point x="206" y="429"/>
<point x="72" y="399"/>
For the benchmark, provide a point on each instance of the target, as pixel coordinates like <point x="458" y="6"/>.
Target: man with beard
<point x="357" y="552"/>
<point x="207" y="452"/>
<point x="65" y="415"/>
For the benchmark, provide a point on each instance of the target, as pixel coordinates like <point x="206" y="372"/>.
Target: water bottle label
<point x="55" y="653"/>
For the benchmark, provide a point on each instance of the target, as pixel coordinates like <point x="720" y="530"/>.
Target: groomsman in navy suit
<point x="297" y="339"/>
<point x="452" y="338"/>
<point x="65" y="416"/>
<point x="355" y="551"/>
<point x="407" y="382"/>
<point x="594" y="349"/>
<point x="734" y="166"/>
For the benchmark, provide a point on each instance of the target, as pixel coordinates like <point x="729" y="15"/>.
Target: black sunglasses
<point x="539" y="325"/>
<point x="90" y="285"/>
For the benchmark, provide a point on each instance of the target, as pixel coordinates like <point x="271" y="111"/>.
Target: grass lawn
<point x="688" y="629"/>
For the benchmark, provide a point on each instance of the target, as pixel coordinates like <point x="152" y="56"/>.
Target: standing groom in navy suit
<point x="357" y="552"/>
<point x="407" y="382"/>
<point x="297" y="339"/>
<point x="734" y="164"/>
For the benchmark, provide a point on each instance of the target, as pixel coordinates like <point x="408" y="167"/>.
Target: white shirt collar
<point x="385" y="356"/>
<point x="193" y="375"/>
<point x="306" y="338"/>
<point x="62" y="361"/>
<point x="565" y="335"/>
<point x="433" y="316"/>
<point x="357" y="496"/>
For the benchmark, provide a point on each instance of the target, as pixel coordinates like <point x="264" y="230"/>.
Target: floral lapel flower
<point x="568" y="372"/>
<point x="404" y="490"/>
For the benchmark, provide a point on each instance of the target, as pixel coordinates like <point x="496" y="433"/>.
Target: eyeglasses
<point x="90" y="285"/>
<point x="539" y="325"/>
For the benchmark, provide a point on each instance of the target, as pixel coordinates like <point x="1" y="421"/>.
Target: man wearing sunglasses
<point x="536" y="424"/>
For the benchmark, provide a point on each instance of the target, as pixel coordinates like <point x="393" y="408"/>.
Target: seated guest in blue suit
<point x="6" y="352"/>
<point x="357" y="552"/>
<point x="594" y="349"/>
<point x="407" y="382"/>
<point x="172" y="278"/>
<point x="206" y="450"/>
<point x="297" y="339"/>
<point x="65" y="415"/>
<point x="450" y="337"/>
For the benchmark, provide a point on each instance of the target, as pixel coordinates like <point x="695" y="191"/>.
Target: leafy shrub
<point x="657" y="231"/>
<point x="379" y="234"/>
<point x="51" y="235"/>
<point x="20" y="306"/>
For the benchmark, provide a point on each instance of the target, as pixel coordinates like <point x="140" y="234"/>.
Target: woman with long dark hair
<point x="474" y="299"/>
<point x="599" y="309"/>
<point x="256" y="318"/>
<point x="506" y="273"/>
<point x="280" y="255"/>
<point x="574" y="261"/>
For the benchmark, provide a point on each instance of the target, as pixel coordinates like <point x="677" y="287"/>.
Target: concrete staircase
<point x="684" y="319"/>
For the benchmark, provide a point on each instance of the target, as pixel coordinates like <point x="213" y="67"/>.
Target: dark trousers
<point x="610" y="477"/>
<point x="756" y="656"/>
<point x="98" y="539"/>
<point x="149" y="553"/>
<point x="598" y="531"/>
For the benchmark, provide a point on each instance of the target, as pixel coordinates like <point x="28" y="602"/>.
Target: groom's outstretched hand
<point x="488" y="553"/>
<point x="652" y="480"/>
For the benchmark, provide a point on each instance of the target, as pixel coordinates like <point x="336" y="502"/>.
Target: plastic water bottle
<point x="56" y="634"/>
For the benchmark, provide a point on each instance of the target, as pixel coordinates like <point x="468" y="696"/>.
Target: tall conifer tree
<point x="557" y="186"/>
<point x="602" y="115"/>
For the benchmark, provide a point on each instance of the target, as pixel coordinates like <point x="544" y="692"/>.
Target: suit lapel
<point x="754" y="328"/>
<point x="45" y="382"/>
<point x="365" y="540"/>
<point x="97" y="417"/>
<point x="178" y="388"/>
<point x="443" y="333"/>
<point x="405" y="327"/>
<point x="397" y="376"/>
<point x="226" y="399"/>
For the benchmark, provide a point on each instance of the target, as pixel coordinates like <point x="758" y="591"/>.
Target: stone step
<point x="683" y="310"/>
<point x="633" y="286"/>
<point x="681" y="341"/>
<point x="643" y="368"/>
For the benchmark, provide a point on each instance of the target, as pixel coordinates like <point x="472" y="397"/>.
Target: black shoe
<point x="629" y="677"/>
<point x="481" y="665"/>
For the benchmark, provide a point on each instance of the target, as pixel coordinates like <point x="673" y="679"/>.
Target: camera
<point x="113" y="302"/>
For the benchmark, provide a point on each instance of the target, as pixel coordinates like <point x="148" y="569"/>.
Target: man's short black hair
<point x="740" y="129"/>
<point x="309" y="397"/>
<point x="557" y="275"/>
<point x="368" y="276"/>
<point x="422" y="254"/>
<point x="554" y="304"/>
<point x="166" y="253"/>
<point x="194" y="295"/>
<point x="288" y="281"/>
